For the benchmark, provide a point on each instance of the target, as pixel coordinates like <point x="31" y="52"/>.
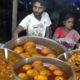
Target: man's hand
<point x="17" y="31"/>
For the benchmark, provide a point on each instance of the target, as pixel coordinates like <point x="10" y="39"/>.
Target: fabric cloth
<point x="60" y="32"/>
<point x="34" y="26"/>
<point x="73" y="35"/>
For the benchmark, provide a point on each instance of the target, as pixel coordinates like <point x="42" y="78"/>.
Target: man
<point x="37" y="23"/>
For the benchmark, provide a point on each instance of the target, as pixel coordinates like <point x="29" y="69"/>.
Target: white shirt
<point x="34" y="26"/>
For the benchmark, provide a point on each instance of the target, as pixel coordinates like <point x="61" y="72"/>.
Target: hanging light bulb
<point x="77" y="8"/>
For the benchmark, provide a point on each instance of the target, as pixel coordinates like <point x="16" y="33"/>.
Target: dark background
<point x="59" y="7"/>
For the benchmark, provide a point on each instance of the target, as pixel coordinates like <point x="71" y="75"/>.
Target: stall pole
<point x="14" y="14"/>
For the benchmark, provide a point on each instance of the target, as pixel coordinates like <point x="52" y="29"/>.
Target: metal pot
<point x="69" y="57"/>
<point x="7" y="59"/>
<point x="5" y="52"/>
<point x="51" y="44"/>
<point x="45" y="60"/>
<point x="66" y="55"/>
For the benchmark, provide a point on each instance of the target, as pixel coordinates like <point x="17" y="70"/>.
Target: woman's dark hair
<point x="65" y="17"/>
<point x="42" y="2"/>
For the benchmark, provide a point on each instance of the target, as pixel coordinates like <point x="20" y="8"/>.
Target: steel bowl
<point x="8" y="51"/>
<point x="45" y="60"/>
<point x="66" y="55"/>
<point x="51" y="44"/>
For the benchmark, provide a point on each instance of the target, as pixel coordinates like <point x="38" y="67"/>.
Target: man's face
<point x="38" y="9"/>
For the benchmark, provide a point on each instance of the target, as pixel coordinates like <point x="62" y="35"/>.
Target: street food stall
<point x="36" y="58"/>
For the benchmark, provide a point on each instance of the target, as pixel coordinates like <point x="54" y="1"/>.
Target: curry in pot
<point x="6" y="65"/>
<point x="37" y="70"/>
<point x="31" y="49"/>
<point x="74" y="61"/>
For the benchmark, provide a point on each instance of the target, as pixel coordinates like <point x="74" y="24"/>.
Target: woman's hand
<point x="67" y="42"/>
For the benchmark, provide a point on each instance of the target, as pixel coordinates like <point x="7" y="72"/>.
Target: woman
<point x="37" y="23"/>
<point x="66" y="33"/>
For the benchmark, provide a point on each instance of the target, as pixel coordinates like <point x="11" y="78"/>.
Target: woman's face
<point x="38" y="9"/>
<point x="69" y="23"/>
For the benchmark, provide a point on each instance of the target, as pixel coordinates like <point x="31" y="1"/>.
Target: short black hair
<point x="42" y="2"/>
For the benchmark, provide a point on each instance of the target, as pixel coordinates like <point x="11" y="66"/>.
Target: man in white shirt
<point x="37" y="23"/>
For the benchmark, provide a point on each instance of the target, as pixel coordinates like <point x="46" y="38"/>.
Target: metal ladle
<point x="6" y="53"/>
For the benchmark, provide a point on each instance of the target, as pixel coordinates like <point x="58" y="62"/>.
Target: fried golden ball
<point x="58" y="72"/>
<point x="25" y="55"/>
<point x="26" y="67"/>
<point x="43" y="68"/>
<point x="35" y="72"/>
<point x="40" y="77"/>
<point x="59" y="78"/>
<point x="18" y="49"/>
<point x="32" y="51"/>
<point x="37" y="64"/>
<point x="32" y="72"/>
<point x="43" y="72"/>
<point x="29" y="45"/>
<point x="34" y="55"/>
<point x="51" y="55"/>
<point x="21" y="75"/>
<point x="52" y="68"/>
<point x="45" y="51"/>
